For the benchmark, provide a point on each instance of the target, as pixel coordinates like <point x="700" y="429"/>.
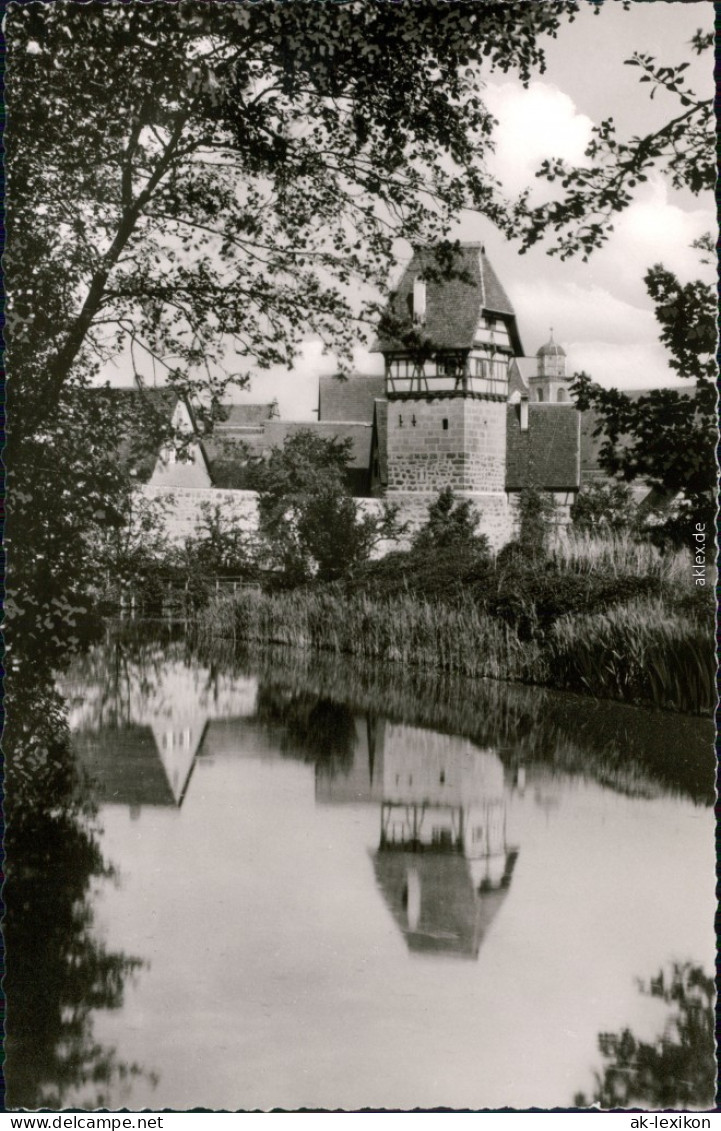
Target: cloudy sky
<point x="599" y="311"/>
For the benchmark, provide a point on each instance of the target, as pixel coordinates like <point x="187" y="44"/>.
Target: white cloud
<point x="614" y="341"/>
<point x="577" y="312"/>
<point x="535" y="122"/>
<point x="622" y="366"/>
<point x="654" y="230"/>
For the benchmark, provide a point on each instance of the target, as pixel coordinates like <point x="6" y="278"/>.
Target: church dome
<point x="551" y="349"/>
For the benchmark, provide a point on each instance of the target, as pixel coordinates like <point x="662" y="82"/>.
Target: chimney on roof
<point x="524" y="412"/>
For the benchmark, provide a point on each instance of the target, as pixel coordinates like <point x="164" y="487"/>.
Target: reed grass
<point x="640" y="652"/>
<point x="621" y="556"/>
<point x="401" y="629"/>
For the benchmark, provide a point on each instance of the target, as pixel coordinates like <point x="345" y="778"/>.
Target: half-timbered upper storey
<point x="449" y="331"/>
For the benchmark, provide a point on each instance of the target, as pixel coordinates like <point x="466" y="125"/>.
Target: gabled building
<point x="158" y="441"/>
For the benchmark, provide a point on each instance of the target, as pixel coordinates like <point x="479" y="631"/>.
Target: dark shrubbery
<point x="523" y="595"/>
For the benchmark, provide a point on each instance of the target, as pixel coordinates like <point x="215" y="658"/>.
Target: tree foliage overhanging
<point x="668" y="437"/>
<point x="198" y="187"/>
<point x="580" y="219"/>
<point x="677" y="1071"/>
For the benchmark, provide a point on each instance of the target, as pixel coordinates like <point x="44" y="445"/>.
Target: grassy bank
<point x="609" y="619"/>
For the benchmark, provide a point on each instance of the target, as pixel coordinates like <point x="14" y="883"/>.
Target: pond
<point x="338" y="887"/>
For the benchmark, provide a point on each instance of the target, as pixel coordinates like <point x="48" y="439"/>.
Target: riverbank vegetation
<point x="603" y="616"/>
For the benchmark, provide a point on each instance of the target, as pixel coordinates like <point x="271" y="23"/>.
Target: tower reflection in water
<point x="444" y="863"/>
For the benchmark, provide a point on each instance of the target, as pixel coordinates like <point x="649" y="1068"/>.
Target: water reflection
<point x="367" y="850"/>
<point x="443" y="863"/>
<point x="141" y="713"/>
<point x="639" y="752"/>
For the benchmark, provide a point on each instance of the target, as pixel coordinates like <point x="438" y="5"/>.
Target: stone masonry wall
<point x="457" y="442"/>
<point x="497" y="515"/>
<point x="183" y="509"/>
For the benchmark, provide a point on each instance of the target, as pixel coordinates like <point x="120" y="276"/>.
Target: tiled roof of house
<point x="228" y="461"/>
<point x="453" y="306"/>
<point x="277" y="431"/>
<point x="350" y="400"/>
<point x="229" y="458"/>
<point x="548" y="453"/>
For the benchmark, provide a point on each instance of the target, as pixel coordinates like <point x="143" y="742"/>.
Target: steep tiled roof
<point x="350" y="400"/>
<point x="228" y="461"/>
<point x="548" y="452"/>
<point x="453" y="306"/>
<point x="229" y="458"/>
<point x="495" y="299"/>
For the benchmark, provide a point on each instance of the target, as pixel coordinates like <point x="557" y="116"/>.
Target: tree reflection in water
<point x="635" y="751"/>
<point x="678" y="1069"/>
<point x="57" y="971"/>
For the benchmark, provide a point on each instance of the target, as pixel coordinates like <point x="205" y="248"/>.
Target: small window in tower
<point x="413" y="420"/>
<point x="400" y="421"/>
<point x="445" y="424"/>
<point x="561" y="395"/>
<point x="539" y="395"/>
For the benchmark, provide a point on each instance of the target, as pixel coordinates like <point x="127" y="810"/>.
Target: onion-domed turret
<point x="551" y="359"/>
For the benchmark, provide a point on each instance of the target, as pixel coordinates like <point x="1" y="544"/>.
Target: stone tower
<point x="550" y="382"/>
<point x="447" y="340"/>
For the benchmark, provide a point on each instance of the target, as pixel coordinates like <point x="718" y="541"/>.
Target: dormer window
<point x="419" y="302"/>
